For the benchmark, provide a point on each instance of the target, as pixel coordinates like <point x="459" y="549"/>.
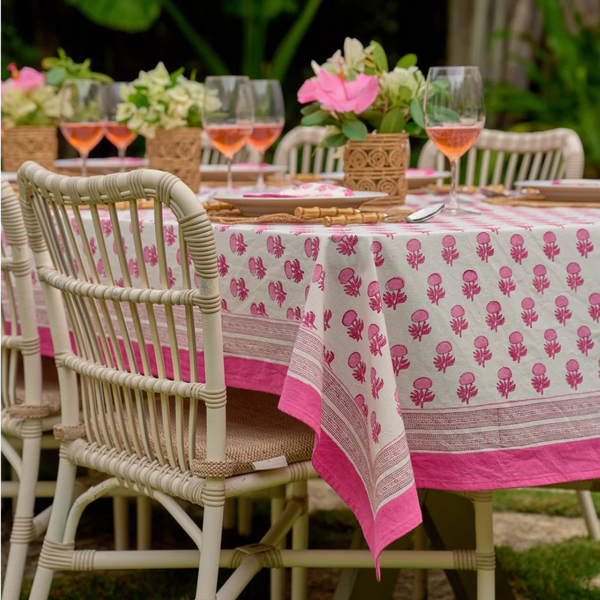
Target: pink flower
<point x="334" y="93"/>
<point x="26" y="79"/>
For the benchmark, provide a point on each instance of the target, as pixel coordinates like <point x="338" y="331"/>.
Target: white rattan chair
<point x="505" y="157"/>
<point x="298" y="151"/>
<point x="162" y="437"/>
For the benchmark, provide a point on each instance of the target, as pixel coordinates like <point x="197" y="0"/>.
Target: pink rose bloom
<point x="28" y="79"/>
<point x="334" y="93"/>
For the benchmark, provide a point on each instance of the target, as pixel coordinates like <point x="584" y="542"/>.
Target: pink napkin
<point x="270" y="196"/>
<point x="421" y="172"/>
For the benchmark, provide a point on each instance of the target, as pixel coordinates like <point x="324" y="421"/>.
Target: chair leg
<point x="23" y="530"/>
<point x="484" y="541"/>
<point x="277" y="575"/>
<point x="56" y="528"/>
<point x="121" y="522"/>
<point x="244" y="516"/>
<point x="420" y="589"/>
<point x="589" y="513"/>
<point x="144" y="522"/>
<point x="300" y="542"/>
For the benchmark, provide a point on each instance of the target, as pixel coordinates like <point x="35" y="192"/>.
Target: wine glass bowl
<point x="118" y="134"/>
<point x="229" y="125"/>
<point x="82" y="116"/>
<point x="454" y="115"/>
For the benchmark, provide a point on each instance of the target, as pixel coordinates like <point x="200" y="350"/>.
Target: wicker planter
<point x="378" y="165"/>
<point x="29" y="142"/>
<point x="177" y="151"/>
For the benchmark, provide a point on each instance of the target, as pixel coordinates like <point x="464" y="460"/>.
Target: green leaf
<point x="416" y="112"/>
<point x="372" y="117"/>
<point x="310" y="108"/>
<point x="443" y="114"/>
<point x="379" y="57"/>
<point x="123" y="15"/>
<point x="413" y="129"/>
<point x="408" y="60"/>
<point x="316" y="118"/>
<point x="139" y="99"/>
<point x="335" y="141"/>
<point x="56" y="75"/>
<point x="393" y="122"/>
<point x="355" y="130"/>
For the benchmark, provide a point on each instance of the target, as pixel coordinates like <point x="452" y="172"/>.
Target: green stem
<point x="213" y="61"/>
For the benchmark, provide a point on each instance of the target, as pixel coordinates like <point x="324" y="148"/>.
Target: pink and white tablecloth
<point x="463" y="353"/>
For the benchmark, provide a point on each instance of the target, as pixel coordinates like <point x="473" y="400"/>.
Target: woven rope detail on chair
<point x="215" y="468"/>
<point x="18" y="267"/>
<point x="14" y="230"/>
<point x="464" y="560"/>
<point x="68" y="433"/>
<point x="269" y="556"/>
<point x="17" y="342"/>
<point x="23" y="530"/>
<point x="57" y="556"/>
<point x="33" y="411"/>
<point x="83" y="560"/>
<point x="485" y="560"/>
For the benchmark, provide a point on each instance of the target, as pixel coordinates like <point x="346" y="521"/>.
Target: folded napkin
<point x="270" y="196"/>
<point x="421" y="172"/>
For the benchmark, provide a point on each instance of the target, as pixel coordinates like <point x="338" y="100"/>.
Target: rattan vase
<point x="378" y="165"/>
<point x="29" y="142"/>
<point x="177" y="151"/>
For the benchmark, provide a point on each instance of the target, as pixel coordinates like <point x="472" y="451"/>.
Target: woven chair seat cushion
<point x="50" y="404"/>
<point x="256" y="431"/>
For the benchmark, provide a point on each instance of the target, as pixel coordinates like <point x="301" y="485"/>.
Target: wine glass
<point x="269" y="116"/>
<point x="117" y="134"/>
<point x="229" y="126"/>
<point x="454" y="115"/>
<point x="82" y="112"/>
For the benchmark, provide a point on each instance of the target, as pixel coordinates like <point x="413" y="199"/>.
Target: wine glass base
<point x="459" y="209"/>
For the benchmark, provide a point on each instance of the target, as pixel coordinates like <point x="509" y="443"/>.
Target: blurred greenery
<point x="555" y="503"/>
<point x="16" y="49"/>
<point x="565" y="82"/>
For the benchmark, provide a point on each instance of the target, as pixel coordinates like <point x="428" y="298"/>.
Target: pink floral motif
<point x="345" y="243"/>
<point x="375" y="428"/>
<point x="420" y="326"/>
<point x="258" y="309"/>
<point x="484" y="247"/>
<point x="257" y="267"/>
<point x="374" y="296"/>
<point x="518" y="250"/>
<point x="178" y="257"/>
<point x="326" y="318"/>
<point x="106" y="227"/>
<point x="394" y="294"/>
<point x="223" y="301"/>
<point x="151" y="255"/>
<point x="397" y="401"/>
<point x="482" y="353"/>
<point x="358" y="365"/>
<point x="563" y="312"/>
<point x="311" y="247"/>
<point x="399" y="360"/>
<point x="222" y="266"/>
<point x="467" y="388"/>
<point x="124" y="245"/>
<point x="274" y="246"/>
<point x="378" y="258"/>
<point x="505" y="383"/>
<point x="277" y="293"/>
<point x="171" y="277"/>
<point x="308" y="320"/>
<point x="584" y="244"/>
<point x="328" y="356"/>
<point x="376" y="340"/>
<point x="74" y="226"/>
<point x="470" y="286"/>
<point x="350" y="281"/>
<point x="506" y="283"/>
<point x="293" y="271"/>
<point x="574" y="279"/>
<point x="318" y="276"/>
<point x="517" y="349"/>
<point x="238" y="288"/>
<point x="93" y="247"/>
<point x="435" y="291"/>
<point x="573" y="376"/>
<point x="539" y="381"/>
<point x="584" y="343"/>
<point x="594" y="308"/>
<point x="134" y="268"/>
<point x="449" y="251"/>
<point x="119" y="282"/>
<point x="414" y="256"/>
<point x="552" y="346"/>
<point x="540" y="281"/>
<point x="458" y="323"/>
<point x="293" y="314"/>
<point x="551" y="250"/>
<point x="376" y="384"/>
<point x="237" y="244"/>
<point x="353" y="324"/>
<point x="170" y="235"/>
<point x="444" y="357"/>
<point x="494" y="318"/>
<point x="422" y="392"/>
<point x="360" y="402"/>
<point x="528" y="314"/>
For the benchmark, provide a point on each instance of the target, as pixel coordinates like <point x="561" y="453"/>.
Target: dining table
<point x="458" y="354"/>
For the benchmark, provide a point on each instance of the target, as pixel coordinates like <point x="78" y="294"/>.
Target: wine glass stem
<point x="261" y="178"/>
<point x="453" y="201"/>
<point x="84" y="158"/>
<point x="229" y="177"/>
<point x="122" y="159"/>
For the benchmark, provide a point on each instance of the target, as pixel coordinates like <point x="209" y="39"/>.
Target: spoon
<point x="420" y="216"/>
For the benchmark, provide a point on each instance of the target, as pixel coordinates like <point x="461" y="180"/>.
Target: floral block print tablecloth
<point x="463" y="353"/>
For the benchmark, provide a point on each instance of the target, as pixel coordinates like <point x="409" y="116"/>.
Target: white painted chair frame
<point x="553" y="154"/>
<point x="298" y="151"/>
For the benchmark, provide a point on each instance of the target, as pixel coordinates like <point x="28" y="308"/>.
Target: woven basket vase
<point x="177" y="151"/>
<point x="378" y="165"/>
<point x="29" y="142"/>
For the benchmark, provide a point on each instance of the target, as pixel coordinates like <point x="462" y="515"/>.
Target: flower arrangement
<point x="355" y="93"/>
<point x="158" y="99"/>
<point x="27" y="99"/>
<point x="60" y="68"/>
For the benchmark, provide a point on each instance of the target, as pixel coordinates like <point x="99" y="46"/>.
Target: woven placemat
<point x="539" y="202"/>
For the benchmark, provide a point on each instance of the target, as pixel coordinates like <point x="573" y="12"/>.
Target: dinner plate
<point x="566" y="189"/>
<point x="240" y="171"/>
<point x="11" y="177"/>
<point x="102" y="166"/>
<point x="416" y="178"/>
<point x="255" y="207"/>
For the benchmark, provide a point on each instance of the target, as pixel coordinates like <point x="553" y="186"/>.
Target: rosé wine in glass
<point x="264" y="135"/>
<point x="453" y="140"/>
<point x="118" y="134"/>
<point x="84" y="137"/>
<point x="228" y="139"/>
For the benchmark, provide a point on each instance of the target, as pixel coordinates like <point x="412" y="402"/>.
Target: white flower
<point x="335" y="63"/>
<point x="355" y="55"/>
<point x="400" y="86"/>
